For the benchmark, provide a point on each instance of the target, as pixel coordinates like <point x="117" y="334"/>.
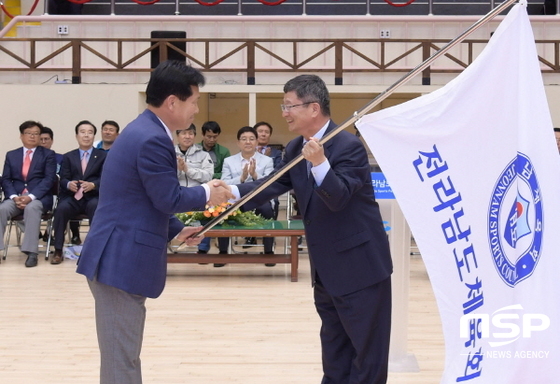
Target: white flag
<point x="476" y="171"/>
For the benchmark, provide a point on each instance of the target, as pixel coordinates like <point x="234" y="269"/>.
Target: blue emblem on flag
<point x="517" y="225"/>
<point x="516" y="221"/>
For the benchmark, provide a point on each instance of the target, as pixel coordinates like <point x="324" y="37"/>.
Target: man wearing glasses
<point x="348" y="249"/>
<point x="27" y="180"/>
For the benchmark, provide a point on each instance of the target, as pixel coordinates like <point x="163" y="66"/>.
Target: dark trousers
<point x="265" y="211"/>
<point x="67" y="209"/>
<point x="355" y="333"/>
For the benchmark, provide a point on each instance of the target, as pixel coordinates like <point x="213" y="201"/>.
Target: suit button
<point x="307" y="222"/>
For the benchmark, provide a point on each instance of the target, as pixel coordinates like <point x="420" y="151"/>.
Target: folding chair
<point x="81" y="219"/>
<point x="47" y="218"/>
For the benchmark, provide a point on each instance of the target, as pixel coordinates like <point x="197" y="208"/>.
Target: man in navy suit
<point x="28" y="178"/>
<point x="264" y="132"/>
<point x="80" y="177"/>
<point x="46" y="140"/>
<point x="124" y="255"/>
<point x="350" y="261"/>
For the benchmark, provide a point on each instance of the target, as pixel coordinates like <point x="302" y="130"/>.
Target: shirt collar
<point x="88" y="152"/>
<point x="319" y="135"/>
<point x="166" y="129"/>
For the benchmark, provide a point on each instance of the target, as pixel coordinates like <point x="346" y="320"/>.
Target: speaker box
<point x="171" y="53"/>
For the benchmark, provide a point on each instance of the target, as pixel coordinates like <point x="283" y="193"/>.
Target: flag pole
<point x="358" y="114"/>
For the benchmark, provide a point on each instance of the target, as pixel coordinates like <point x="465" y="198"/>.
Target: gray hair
<point x="310" y="89"/>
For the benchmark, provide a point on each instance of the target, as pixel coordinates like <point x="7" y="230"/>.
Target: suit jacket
<point x="348" y="246"/>
<point x="231" y="172"/>
<point x="126" y="244"/>
<point x="71" y="169"/>
<point x="276" y="156"/>
<point x="40" y="179"/>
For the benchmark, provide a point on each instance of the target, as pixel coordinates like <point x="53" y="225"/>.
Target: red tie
<point x="25" y="168"/>
<point x="26" y="164"/>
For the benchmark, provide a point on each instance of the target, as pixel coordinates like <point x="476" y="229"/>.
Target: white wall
<point x="61" y="106"/>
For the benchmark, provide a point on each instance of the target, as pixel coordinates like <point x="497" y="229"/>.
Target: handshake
<point x="220" y="192"/>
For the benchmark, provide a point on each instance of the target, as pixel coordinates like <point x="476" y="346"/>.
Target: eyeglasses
<point x="186" y="132"/>
<point x="31" y="134"/>
<point x="288" y="108"/>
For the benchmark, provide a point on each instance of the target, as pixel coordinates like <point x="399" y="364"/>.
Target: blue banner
<point x="381" y="186"/>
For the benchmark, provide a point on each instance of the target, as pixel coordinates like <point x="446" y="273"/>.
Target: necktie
<point x="260" y="149"/>
<point x="84" y="163"/>
<point x="25" y="168"/>
<point x="26" y="163"/>
<point x="80" y="192"/>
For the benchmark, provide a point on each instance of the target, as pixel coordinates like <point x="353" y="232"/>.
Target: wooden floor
<point x="237" y="324"/>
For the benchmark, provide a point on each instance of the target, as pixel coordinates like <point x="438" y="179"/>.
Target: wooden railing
<point x="251" y="56"/>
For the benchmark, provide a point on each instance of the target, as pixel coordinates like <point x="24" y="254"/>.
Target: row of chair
<point x="47" y="218"/>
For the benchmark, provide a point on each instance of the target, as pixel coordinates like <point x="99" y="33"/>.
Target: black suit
<point x="68" y="207"/>
<point x="350" y="260"/>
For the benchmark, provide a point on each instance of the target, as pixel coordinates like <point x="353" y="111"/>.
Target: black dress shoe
<point x="270" y="264"/>
<point x="76" y="240"/>
<point x="57" y="257"/>
<point x="31" y="260"/>
<point x="219" y="265"/>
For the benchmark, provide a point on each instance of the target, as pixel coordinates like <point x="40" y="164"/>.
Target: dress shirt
<point x="31" y="196"/>
<point x="319" y="172"/>
<point x="89" y="151"/>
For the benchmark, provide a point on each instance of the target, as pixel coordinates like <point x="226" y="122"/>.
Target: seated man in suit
<point x="264" y="132"/>
<point x="27" y="180"/>
<point x="79" y="184"/>
<point x="246" y="166"/>
<point x="46" y="140"/>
